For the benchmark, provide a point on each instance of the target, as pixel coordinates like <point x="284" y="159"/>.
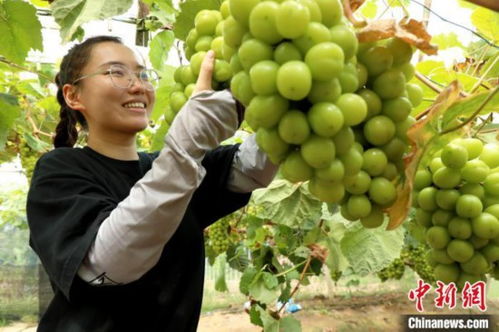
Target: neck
<point x="121" y="147"/>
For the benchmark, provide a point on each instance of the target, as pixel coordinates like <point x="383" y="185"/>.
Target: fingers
<point x="206" y="72"/>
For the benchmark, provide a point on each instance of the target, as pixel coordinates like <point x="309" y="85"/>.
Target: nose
<point x="137" y="85"/>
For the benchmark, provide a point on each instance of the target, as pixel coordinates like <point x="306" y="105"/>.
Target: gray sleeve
<point x="130" y="241"/>
<point x="251" y="169"/>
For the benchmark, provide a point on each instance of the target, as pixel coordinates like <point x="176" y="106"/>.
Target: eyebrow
<point x="109" y="63"/>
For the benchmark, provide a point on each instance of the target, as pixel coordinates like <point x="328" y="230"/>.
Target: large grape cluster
<point x="414" y="258"/>
<point x="457" y="201"/>
<point x="328" y="110"/>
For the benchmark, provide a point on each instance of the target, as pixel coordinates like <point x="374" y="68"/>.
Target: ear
<point x="72" y="97"/>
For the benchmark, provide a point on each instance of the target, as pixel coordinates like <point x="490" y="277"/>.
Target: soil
<point x="366" y="313"/>
<point x="320" y="314"/>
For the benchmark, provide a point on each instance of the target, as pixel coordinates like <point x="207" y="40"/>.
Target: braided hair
<point x="66" y="133"/>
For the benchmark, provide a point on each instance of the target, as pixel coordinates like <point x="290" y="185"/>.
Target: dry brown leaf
<point x="411" y="31"/>
<point x="414" y="33"/>
<point x="377" y="30"/>
<point x="418" y="136"/>
<point x="355" y="4"/>
<point x="349" y="6"/>
<point x="319" y="252"/>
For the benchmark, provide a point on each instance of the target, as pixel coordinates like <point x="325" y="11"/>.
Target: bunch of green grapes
<point x="326" y="117"/>
<point x="414" y="258"/>
<point x="457" y="201"/>
<point x="395" y="270"/>
<point x="328" y="111"/>
<point x="380" y="138"/>
<point x="206" y="35"/>
<point x="219" y="236"/>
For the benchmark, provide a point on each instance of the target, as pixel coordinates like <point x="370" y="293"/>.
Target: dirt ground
<point x="366" y="313"/>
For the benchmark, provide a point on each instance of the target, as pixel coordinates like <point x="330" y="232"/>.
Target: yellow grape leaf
<point x="419" y="136"/>
<point x="411" y="31"/>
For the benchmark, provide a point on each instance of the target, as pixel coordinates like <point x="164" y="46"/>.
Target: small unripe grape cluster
<point x="457" y="201"/>
<point x="219" y="237"/>
<point x="414" y="258"/>
<point x="29" y="157"/>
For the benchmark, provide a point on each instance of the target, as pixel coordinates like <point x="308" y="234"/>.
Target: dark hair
<point x="72" y="64"/>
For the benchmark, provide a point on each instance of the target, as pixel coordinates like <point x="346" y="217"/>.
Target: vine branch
<point x="15" y="65"/>
<point x="490" y="4"/>
<point x="302" y="276"/>
<point x="479" y="109"/>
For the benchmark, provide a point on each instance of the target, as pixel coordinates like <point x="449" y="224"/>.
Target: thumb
<point x="206" y="72"/>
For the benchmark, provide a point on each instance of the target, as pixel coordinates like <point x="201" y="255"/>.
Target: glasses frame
<point x="137" y="75"/>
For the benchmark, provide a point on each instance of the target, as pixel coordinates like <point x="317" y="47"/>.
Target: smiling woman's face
<point x="109" y="108"/>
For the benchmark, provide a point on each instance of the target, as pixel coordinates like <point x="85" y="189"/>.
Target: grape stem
<point x="14" y="65"/>
<point x="484" y="122"/>
<point x="490" y="4"/>
<point x="479" y="109"/>
<point x="36" y="131"/>
<point x="302" y="276"/>
<point x="428" y="82"/>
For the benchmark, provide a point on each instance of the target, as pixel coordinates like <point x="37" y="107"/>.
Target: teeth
<point x="134" y="105"/>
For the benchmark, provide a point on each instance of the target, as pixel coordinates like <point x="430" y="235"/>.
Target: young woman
<point x="120" y="233"/>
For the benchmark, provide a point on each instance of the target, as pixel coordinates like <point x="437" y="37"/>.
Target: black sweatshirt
<point x="72" y="191"/>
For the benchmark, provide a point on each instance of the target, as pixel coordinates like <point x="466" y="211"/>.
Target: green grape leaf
<point x="237" y="258"/>
<point x="70" y="14"/>
<point x="8" y="115"/>
<point x="158" y="138"/>
<point x="79" y="34"/>
<point x="369" y="9"/>
<point x="159" y="48"/>
<point x="431" y="67"/>
<point x="465" y="107"/>
<point x="290" y="324"/>
<point x="260" y="292"/>
<point x="40" y="3"/>
<point x="270" y="324"/>
<point x="10" y="99"/>
<point x="491" y="67"/>
<point x="399" y="3"/>
<point x="219" y="267"/>
<point x="50" y="105"/>
<point x="447" y="40"/>
<point x="35" y="143"/>
<point x="270" y="280"/>
<point x="255" y="316"/>
<point x="21" y="30"/>
<point x="162" y="103"/>
<point x="336" y="260"/>
<point x="289" y="204"/>
<point x="246" y="279"/>
<point x="164" y="11"/>
<point x="487" y="23"/>
<point x="370" y="250"/>
<point x="188" y="11"/>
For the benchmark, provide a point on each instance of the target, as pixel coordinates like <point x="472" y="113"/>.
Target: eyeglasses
<point x="122" y="77"/>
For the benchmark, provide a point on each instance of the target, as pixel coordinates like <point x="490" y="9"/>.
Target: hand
<point x="206" y="73"/>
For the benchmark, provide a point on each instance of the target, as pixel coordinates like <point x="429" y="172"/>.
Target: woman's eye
<point x="117" y="72"/>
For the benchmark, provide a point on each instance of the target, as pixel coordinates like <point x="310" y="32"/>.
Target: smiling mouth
<point x="135" y="105"/>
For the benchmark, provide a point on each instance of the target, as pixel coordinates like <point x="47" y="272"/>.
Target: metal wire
<point x="456" y="24"/>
